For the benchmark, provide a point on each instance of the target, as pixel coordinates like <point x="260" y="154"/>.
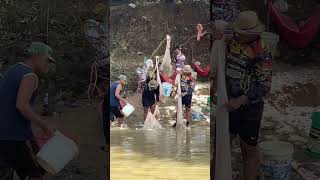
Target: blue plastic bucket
<point x="167" y="87"/>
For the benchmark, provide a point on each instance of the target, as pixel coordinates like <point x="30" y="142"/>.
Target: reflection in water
<point x="161" y="154"/>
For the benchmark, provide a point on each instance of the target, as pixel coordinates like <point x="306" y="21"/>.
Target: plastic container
<point x="127" y="110"/>
<point x="313" y="146"/>
<point x="167" y="88"/>
<point x="276" y="158"/>
<point x="57" y="153"/>
<point x="270" y="41"/>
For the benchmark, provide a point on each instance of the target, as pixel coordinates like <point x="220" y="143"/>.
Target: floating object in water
<point x="313" y="146"/>
<point x="127" y="110"/>
<point x="276" y="158"/>
<point x="57" y="153"/>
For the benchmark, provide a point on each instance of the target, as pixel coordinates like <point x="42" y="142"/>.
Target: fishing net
<point x="166" y="62"/>
<point x="151" y="122"/>
<point x="157" y="112"/>
<point x="179" y="105"/>
<point x="223" y="169"/>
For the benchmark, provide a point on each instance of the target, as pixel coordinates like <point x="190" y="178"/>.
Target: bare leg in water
<point x="146" y="110"/>
<point x="188" y="114"/>
<point x="250" y="156"/>
<point x="120" y="120"/>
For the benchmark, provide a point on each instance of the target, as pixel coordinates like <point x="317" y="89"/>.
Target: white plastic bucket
<point x="57" y="153"/>
<point x="167" y="87"/>
<point x="276" y="158"/>
<point x="269" y="41"/>
<point x="127" y="110"/>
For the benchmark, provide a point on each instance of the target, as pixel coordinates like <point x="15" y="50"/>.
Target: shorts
<point x="148" y="102"/>
<point x="187" y="100"/>
<point x="19" y="155"/>
<point x="115" y="110"/>
<point x="246" y="123"/>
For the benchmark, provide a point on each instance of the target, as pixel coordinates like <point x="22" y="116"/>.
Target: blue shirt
<point x="114" y="101"/>
<point x="13" y="125"/>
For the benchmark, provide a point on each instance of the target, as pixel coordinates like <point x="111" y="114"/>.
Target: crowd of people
<point x="149" y="87"/>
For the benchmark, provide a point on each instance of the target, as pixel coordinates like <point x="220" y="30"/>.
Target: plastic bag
<point x="166" y="66"/>
<point x="151" y="122"/>
<point x="223" y="169"/>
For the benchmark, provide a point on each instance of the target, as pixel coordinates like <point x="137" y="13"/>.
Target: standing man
<point x="187" y="87"/>
<point x="248" y="81"/>
<point x="180" y="58"/>
<point x="17" y="93"/>
<point x="116" y="101"/>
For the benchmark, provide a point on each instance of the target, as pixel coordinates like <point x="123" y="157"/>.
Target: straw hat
<point x="187" y="69"/>
<point x="248" y="23"/>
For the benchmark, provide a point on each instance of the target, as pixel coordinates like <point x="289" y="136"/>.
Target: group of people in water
<point x="149" y="88"/>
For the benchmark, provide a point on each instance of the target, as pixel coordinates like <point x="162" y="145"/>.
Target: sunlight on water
<point x="164" y="154"/>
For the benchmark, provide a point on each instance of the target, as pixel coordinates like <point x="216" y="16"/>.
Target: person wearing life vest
<point x="150" y="93"/>
<point x="187" y="87"/>
<point x="18" y="90"/>
<point x="116" y="101"/>
<point x="248" y="81"/>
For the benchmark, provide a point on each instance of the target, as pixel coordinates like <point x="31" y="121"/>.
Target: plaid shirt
<point x="248" y="71"/>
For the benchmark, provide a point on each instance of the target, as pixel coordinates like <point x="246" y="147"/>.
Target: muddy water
<point x="161" y="154"/>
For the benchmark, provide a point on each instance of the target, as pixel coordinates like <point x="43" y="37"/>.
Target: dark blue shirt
<point x="113" y="99"/>
<point x="13" y="125"/>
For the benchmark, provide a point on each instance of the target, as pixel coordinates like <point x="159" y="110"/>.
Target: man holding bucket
<point x="17" y="93"/>
<point x="248" y="81"/>
<point x="116" y="101"/>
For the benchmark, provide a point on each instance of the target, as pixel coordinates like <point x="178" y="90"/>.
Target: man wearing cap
<point x="116" y="101"/>
<point x="150" y="93"/>
<point x="187" y="87"/>
<point x="17" y="93"/>
<point x="248" y="81"/>
<point x="180" y="58"/>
